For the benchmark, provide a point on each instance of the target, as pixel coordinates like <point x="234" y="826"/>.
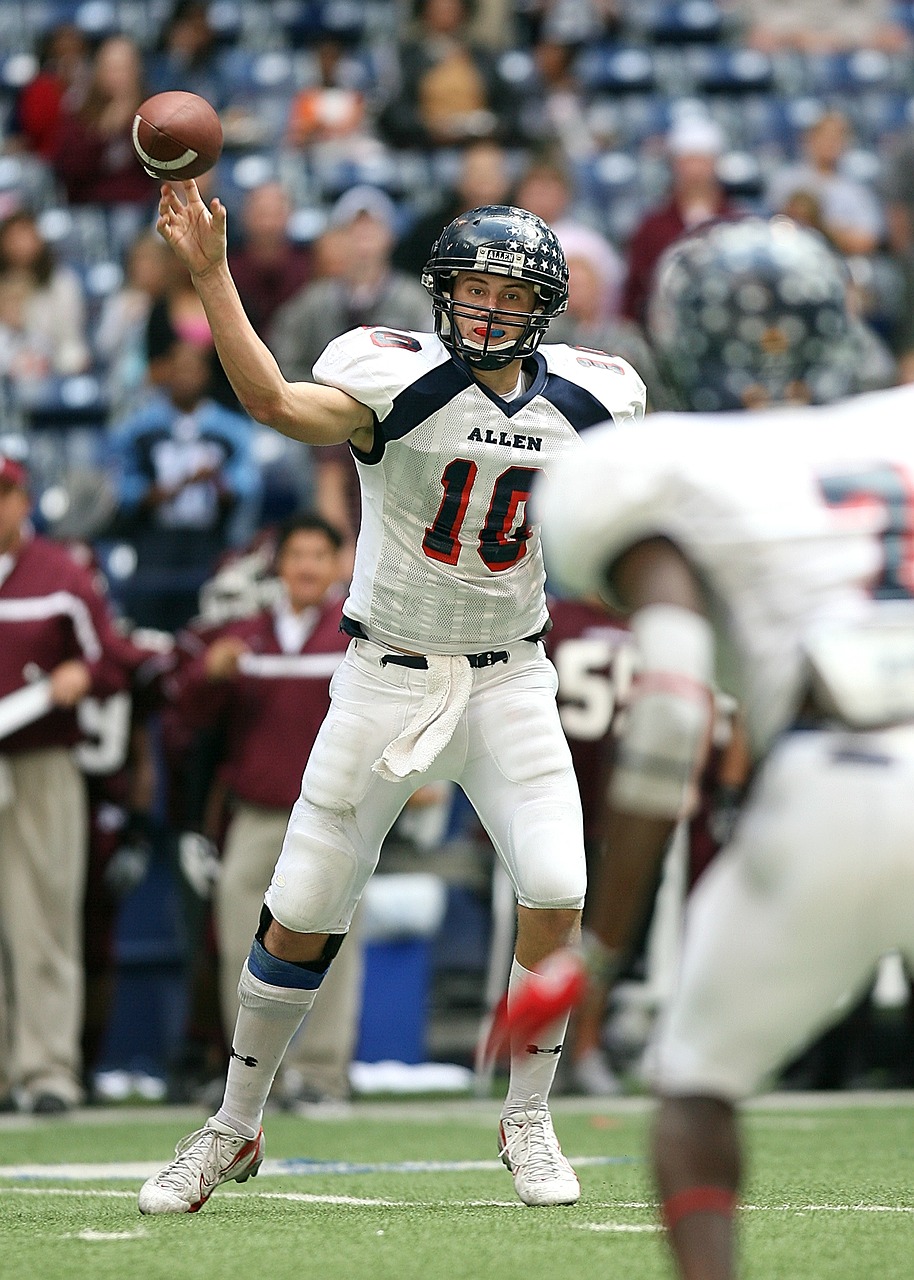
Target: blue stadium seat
<point x="757" y="120"/>
<point x="644" y="117"/>
<point x="65" y="402"/>
<point x="619" y="186"/>
<point x="225" y="17"/>
<point x="879" y="116"/>
<point x="850" y="73"/>
<point x="616" y="69"/>
<point x="733" y="71"/>
<point x="27" y="180"/>
<point x="84" y="235"/>
<point x="303" y="22"/>
<point x="17" y="69"/>
<point x="685" y="22"/>
<point x="250" y="72"/>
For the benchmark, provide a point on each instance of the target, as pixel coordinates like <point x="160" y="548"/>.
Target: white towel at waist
<point x="448" y="683"/>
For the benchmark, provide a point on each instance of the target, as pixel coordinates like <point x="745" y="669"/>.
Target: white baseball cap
<point x="363" y="199"/>
<point x="696" y="135"/>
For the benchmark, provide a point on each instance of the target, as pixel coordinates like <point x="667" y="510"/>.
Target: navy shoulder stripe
<point x="414" y="404"/>
<point x="580" y="407"/>
<point x="424" y="397"/>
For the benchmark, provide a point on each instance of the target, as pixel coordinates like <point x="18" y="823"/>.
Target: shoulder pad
<point x="608" y="378"/>
<point x="374" y="364"/>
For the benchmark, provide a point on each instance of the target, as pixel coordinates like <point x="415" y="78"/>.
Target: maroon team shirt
<point x="51" y="611"/>
<point x="271" y="710"/>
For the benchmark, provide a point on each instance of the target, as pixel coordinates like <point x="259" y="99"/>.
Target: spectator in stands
<point x="42" y="308"/>
<point x="261" y="680"/>
<point x="94" y="156"/>
<point x="575" y="21"/>
<point x="64" y="69"/>
<point x="694" y="145"/>
<point x="267" y="266"/>
<point x="177" y="315"/>
<point x="185" y="57"/>
<point x="592" y="318"/>
<point x="451" y="90"/>
<point x="773" y="25"/>
<point x="54" y="626"/>
<point x="120" y="338"/>
<point x="850" y="213"/>
<point x="331" y="116"/>
<point x="370" y="290"/>
<point x="188" y="487"/>
<point x="547" y="189"/>
<point x="484" y="178"/>
<point x="556" y="111"/>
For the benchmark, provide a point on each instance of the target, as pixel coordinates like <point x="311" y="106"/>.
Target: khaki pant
<point x="318" y="1058"/>
<point x="43" y="851"/>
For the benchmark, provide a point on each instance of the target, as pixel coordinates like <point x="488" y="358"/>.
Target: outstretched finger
<point x="217" y="208"/>
<point x="192" y="192"/>
<point x="169" y="201"/>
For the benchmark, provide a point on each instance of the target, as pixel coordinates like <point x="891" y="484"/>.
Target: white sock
<point x="268" y="1018"/>
<point x="533" y="1065"/>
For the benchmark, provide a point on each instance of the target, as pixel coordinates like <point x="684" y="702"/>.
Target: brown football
<point x="176" y="135"/>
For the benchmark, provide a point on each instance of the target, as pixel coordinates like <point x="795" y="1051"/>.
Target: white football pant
<point x="784" y="930"/>
<point x="508" y="753"/>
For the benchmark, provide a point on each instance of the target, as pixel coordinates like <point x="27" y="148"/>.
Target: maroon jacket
<point x="271" y="711"/>
<point x="97" y="168"/>
<point x="51" y="610"/>
<point x="265" y="287"/>
<point x="656" y="232"/>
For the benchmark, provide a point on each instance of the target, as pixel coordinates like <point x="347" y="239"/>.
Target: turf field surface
<point x="413" y="1191"/>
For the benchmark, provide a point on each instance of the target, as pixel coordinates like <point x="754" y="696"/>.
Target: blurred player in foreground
<point x="771" y="555"/>
<point x="445" y="677"/>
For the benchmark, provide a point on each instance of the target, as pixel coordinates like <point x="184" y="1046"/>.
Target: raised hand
<point x="196" y="234"/>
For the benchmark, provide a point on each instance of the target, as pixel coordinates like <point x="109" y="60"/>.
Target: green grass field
<point x="412" y="1191"/>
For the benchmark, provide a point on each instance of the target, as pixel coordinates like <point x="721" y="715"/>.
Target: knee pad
<point x="547" y="844"/>
<point x="319" y="875"/>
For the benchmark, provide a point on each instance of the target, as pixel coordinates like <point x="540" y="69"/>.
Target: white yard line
<point x="272" y="1168"/>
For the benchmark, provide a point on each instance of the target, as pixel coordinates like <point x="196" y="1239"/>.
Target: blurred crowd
<point x="353" y="133"/>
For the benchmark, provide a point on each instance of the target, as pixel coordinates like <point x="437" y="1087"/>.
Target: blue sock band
<point x="281" y="973"/>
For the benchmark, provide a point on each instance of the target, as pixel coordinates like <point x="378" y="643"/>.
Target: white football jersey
<point x="447" y="559"/>
<point x="795" y="520"/>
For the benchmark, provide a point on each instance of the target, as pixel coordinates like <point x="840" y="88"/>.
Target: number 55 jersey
<point x="448" y="559"/>
<point x="799" y="524"/>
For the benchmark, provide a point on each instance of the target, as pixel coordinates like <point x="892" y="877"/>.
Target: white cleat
<point x="203" y="1161"/>
<point x="530" y="1149"/>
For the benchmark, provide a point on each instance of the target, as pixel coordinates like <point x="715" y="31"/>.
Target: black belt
<point x="488" y="658"/>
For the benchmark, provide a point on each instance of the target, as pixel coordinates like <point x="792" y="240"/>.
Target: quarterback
<point x="445" y="676"/>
